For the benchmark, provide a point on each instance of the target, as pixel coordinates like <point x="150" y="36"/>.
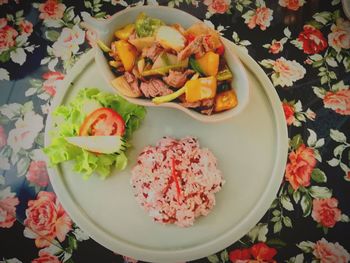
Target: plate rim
<point x="195" y="252"/>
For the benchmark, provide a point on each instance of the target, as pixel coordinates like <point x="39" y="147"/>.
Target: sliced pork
<point x="133" y="82"/>
<point x="191" y="105"/>
<point x="154" y="88"/>
<point x="207" y="103"/>
<point x="177" y="79"/>
<point x="152" y="52"/>
<point x="208" y="43"/>
<point x="133" y="36"/>
<point x="207" y="111"/>
<point x="113" y="53"/>
<point x="195" y="47"/>
<point x="207" y="106"/>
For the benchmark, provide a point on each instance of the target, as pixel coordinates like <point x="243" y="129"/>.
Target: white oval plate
<point x="251" y="150"/>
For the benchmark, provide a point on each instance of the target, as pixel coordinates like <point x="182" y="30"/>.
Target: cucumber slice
<point x="99" y="144"/>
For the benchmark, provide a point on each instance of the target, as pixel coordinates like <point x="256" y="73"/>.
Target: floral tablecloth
<point x="303" y="46"/>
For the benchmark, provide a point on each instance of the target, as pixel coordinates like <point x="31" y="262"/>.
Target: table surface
<point x="303" y="46"/>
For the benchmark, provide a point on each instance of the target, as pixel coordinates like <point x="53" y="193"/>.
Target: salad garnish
<point x="94" y="131"/>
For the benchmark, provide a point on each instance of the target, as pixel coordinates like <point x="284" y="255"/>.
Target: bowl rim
<point x="101" y="27"/>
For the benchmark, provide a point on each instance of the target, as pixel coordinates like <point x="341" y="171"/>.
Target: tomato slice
<point x="103" y="122"/>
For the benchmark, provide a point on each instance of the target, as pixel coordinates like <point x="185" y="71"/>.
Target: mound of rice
<point x="176" y="181"/>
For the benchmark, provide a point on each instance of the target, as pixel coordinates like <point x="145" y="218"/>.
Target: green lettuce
<point x="145" y="26"/>
<point x="67" y="121"/>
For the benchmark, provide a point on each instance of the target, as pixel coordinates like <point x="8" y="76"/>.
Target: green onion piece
<point x="169" y="97"/>
<point x="224" y="75"/>
<point x="163" y="70"/>
<point x="103" y="46"/>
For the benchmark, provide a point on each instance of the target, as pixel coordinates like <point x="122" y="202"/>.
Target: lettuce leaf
<point x="67" y="122"/>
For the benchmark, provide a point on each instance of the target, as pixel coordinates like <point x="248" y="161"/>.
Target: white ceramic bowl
<point x="105" y="31"/>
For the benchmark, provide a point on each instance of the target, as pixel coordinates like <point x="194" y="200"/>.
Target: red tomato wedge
<point x="103" y="122"/>
<point x="190" y="37"/>
<point x="220" y="50"/>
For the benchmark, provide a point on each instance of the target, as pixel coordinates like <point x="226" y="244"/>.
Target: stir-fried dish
<point x="166" y="63"/>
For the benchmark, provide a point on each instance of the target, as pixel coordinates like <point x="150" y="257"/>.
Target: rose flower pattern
<point x="37" y="173"/>
<point x="261" y="17"/>
<point x="7" y="35"/>
<point x="338" y="101"/>
<point x="292" y="4"/>
<point x="51" y="9"/>
<point x="217" y="6"/>
<point x="340" y="36"/>
<point x="300" y="166"/>
<point x="8" y="203"/>
<point x="259" y="252"/>
<point x="289" y="113"/>
<point x="326" y="211"/>
<point x="327" y="252"/>
<point x="312" y="40"/>
<point x="46" y="220"/>
<point x="45" y="257"/>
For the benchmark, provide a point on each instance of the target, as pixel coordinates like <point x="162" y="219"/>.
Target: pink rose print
<point x="129" y="259"/>
<point x="7" y="35"/>
<point x="240" y="255"/>
<point x="8" y="203"/>
<point x="51" y="9"/>
<point x="312" y="40"/>
<point x="46" y="220"/>
<point x="52" y="78"/>
<point x="26" y="27"/>
<point x="3" y="22"/>
<point x="261" y="17"/>
<point x="300" y="166"/>
<point x="339" y="38"/>
<point x="263" y="252"/>
<point x="292" y="4"/>
<point x="325" y="211"/>
<point x="338" y="101"/>
<point x="91" y="37"/>
<point x="286" y="72"/>
<point x="260" y="251"/>
<point x="289" y="113"/>
<point x="45" y="257"/>
<point x="3" y="137"/>
<point x="2" y="2"/>
<point x="328" y="252"/>
<point x="37" y="173"/>
<point x="217" y="6"/>
<point x="276" y="47"/>
<point x="68" y="42"/>
<point x="25" y="131"/>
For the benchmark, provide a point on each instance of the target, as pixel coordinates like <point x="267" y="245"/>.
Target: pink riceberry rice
<point x="176" y="181"/>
